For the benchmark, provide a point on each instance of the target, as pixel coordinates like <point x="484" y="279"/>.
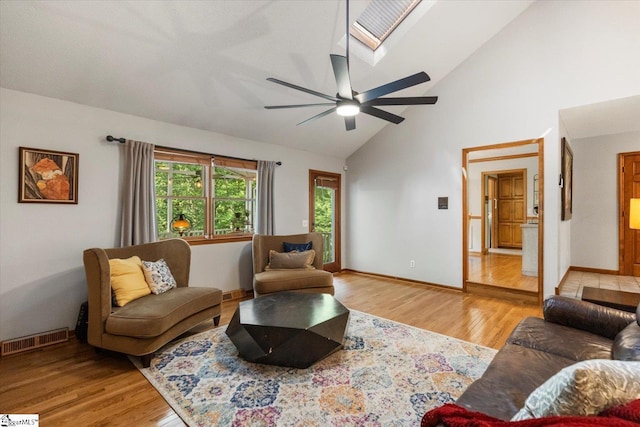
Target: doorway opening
<point x="504" y="210"/>
<point x="503" y="220"/>
<point x="324" y="215"/>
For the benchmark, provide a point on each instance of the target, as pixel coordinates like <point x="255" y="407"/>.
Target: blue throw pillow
<point x="299" y="247"/>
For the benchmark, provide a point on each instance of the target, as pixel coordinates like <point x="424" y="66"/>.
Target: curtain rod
<point x="122" y="141"/>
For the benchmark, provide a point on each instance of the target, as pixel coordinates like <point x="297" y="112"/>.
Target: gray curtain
<point x="138" y="195"/>
<point x="265" y="197"/>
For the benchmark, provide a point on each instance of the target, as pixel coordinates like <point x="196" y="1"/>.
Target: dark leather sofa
<point x="571" y="331"/>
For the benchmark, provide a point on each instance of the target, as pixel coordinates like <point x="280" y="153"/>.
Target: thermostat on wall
<point x="443" y="203"/>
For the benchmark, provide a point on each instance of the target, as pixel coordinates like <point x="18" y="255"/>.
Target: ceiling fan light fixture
<point x="349" y="103"/>
<point x="347" y="108"/>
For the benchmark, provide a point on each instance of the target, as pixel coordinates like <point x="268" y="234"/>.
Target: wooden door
<point x="629" y="177"/>
<point x="511" y="209"/>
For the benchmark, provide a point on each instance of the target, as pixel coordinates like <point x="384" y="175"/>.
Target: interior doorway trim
<point x="465" y="207"/>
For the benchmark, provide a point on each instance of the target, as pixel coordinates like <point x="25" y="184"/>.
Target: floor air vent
<point x="236" y="294"/>
<point x="18" y="345"/>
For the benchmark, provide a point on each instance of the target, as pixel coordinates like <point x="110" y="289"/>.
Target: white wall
<point x="594" y="223"/>
<point x="549" y="58"/>
<point x="474" y="182"/>
<point x="41" y="275"/>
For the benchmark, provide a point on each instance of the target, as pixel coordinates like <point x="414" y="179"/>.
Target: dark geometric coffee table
<point x="288" y="328"/>
<point x="626" y="301"/>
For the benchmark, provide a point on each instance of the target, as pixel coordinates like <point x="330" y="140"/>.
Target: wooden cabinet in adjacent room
<point x="511" y="209"/>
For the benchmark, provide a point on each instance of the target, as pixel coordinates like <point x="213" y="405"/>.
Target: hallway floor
<point x="499" y="269"/>
<point x="576" y="280"/>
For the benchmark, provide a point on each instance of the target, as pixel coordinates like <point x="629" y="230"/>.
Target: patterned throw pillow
<point x="158" y="276"/>
<point x="291" y="260"/>
<point x="584" y="388"/>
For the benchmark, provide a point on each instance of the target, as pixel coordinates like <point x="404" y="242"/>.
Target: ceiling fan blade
<point x="381" y="114"/>
<point x="350" y="122"/>
<point x="317" y="116"/>
<point x="415" y="100"/>
<point x="395" y="86"/>
<point x="312" y="92"/>
<point x="273" y="107"/>
<point x="341" y="71"/>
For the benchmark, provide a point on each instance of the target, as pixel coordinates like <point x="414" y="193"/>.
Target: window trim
<point x="209" y="163"/>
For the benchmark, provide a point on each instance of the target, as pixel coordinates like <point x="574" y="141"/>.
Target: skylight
<point x="379" y="20"/>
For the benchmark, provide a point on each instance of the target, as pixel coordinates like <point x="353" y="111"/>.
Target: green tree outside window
<point x="184" y="188"/>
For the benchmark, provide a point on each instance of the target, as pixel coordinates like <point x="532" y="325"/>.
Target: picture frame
<point x="47" y="176"/>
<point x="567" y="180"/>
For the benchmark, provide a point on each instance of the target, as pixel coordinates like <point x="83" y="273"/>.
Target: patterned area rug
<point x="388" y="374"/>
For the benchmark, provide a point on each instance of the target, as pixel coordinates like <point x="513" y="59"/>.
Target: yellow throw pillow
<point x="127" y="280"/>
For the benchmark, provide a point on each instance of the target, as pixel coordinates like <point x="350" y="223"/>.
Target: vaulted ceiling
<point x="205" y="64"/>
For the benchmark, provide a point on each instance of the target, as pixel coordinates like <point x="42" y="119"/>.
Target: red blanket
<point x="451" y="415"/>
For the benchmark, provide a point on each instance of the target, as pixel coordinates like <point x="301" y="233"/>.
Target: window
<point x="379" y="20"/>
<point x="217" y="195"/>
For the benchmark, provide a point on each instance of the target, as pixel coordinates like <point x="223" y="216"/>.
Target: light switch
<point x="305" y="222"/>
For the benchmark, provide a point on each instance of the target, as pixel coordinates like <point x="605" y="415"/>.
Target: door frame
<point x="623" y="218"/>
<point x="335" y="266"/>
<point x="465" y="207"/>
<point x="491" y="188"/>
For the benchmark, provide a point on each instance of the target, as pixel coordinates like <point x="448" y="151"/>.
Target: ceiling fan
<point x="349" y="103"/>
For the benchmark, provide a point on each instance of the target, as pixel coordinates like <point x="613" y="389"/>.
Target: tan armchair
<point x="144" y="325"/>
<point x="300" y="280"/>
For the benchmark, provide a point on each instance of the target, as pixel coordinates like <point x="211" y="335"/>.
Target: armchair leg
<point x="216" y="320"/>
<point x="146" y="360"/>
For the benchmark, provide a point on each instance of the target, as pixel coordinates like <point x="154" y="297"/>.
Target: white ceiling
<point x="603" y="118"/>
<point x="204" y="64"/>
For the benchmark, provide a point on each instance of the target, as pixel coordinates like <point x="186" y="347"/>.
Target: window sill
<point x="220" y="239"/>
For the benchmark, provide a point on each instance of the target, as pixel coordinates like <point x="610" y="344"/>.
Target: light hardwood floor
<point x="503" y="270"/>
<point x="72" y="384"/>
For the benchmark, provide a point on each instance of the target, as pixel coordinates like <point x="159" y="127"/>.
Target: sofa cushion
<point x="291" y="260"/>
<point x="584" y="388"/>
<point x="512" y="375"/>
<point x="127" y="280"/>
<point x="626" y="346"/>
<point x="560" y="340"/>
<point x="287" y="280"/>
<point x="152" y="315"/>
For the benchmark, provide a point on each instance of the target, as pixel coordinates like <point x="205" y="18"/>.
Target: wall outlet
<point x="412" y="263"/>
<point x="305" y="222"/>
